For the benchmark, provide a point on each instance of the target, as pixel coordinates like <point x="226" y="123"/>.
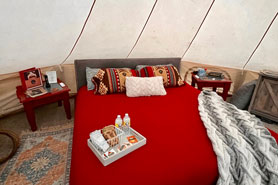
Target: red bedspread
<point x="178" y="150"/>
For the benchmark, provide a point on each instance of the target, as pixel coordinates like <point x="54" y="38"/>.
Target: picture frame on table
<point x="31" y="78"/>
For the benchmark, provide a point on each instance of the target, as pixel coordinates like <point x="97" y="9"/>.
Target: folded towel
<point x="98" y="140"/>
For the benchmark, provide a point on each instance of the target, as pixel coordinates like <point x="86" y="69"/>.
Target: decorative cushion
<point x="90" y="73"/>
<point x="137" y="86"/>
<point x="242" y="97"/>
<point x="170" y="74"/>
<point x="139" y="67"/>
<point x="111" y="80"/>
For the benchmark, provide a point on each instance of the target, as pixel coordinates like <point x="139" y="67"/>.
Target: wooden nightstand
<point x="264" y="101"/>
<point x="31" y="103"/>
<point x="225" y="84"/>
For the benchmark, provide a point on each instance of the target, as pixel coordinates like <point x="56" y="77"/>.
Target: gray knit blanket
<point x="246" y="152"/>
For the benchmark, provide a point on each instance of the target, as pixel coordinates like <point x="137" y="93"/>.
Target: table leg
<point x="226" y="89"/>
<point x="30" y="114"/>
<point x="67" y="106"/>
<point x="200" y="86"/>
<point x="60" y="103"/>
<point x="214" y="89"/>
<point x="192" y="82"/>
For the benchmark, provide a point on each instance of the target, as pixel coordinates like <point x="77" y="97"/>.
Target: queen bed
<point x="178" y="149"/>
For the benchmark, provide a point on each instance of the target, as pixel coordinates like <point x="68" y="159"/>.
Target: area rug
<point x="43" y="157"/>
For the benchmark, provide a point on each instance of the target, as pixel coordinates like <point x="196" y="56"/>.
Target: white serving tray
<point x="106" y="161"/>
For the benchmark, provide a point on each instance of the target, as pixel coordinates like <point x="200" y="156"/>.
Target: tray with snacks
<point x="111" y="143"/>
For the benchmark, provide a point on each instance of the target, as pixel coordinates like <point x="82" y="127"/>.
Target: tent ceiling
<point x="231" y="32"/>
<point x="171" y="28"/>
<point x="112" y="29"/>
<point x="41" y="33"/>
<point x="266" y="57"/>
<point x="38" y="33"/>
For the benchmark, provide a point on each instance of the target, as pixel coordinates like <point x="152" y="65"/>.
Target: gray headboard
<point x="80" y="65"/>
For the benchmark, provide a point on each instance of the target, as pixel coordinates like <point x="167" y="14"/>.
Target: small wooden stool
<point x="15" y="141"/>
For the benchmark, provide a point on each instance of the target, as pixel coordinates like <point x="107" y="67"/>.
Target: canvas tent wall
<point x="217" y="32"/>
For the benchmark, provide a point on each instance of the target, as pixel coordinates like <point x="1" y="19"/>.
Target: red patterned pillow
<point x="170" y="74"/>
<point x="111" y="80"/>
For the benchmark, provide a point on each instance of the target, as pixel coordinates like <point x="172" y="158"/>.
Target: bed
<point x="178" y="150"/>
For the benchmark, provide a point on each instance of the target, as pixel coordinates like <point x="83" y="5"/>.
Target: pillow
<point x="170" y="74"/>
<point x="242" y="97"/>
<point x="137" y="86"/>
<point x="90" y="73"/>
<point x="139" y="67"/>
<point x="111" y="80"/>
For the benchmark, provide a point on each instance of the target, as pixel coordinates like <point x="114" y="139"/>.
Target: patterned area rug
<point x="43" y="157"/>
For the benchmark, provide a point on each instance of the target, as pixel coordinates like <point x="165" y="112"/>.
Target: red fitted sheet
<point x="178" y="150"/>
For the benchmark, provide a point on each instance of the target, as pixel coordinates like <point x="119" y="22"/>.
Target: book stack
<point x="36" y="92"/>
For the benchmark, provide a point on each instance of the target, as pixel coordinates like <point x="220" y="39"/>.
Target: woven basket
<point x="15" y="140"/>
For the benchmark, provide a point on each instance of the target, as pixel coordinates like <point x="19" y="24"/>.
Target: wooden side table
<point x="225" y="84"/>
<point x="30" y="103"/>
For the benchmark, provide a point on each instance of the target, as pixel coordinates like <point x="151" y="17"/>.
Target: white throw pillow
<point x="147" y="86"/>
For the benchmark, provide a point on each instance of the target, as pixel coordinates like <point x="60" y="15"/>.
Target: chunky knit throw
<point x="246" y="152"/>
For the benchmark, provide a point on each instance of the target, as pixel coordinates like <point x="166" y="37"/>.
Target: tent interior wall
<point x="226" y="34"/>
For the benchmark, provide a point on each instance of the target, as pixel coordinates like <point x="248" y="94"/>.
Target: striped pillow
<point x="111" y="80"/>
<point x="170" y="74"/>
